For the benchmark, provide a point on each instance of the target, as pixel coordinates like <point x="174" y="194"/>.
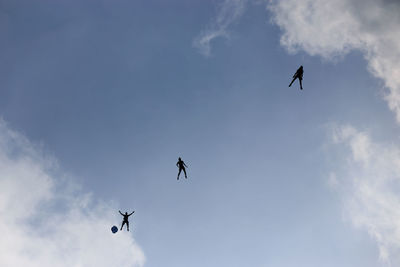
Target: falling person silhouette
<point x="299" y="75"/>
<point x="181" y="165"/>
<point x="125" y="221"/>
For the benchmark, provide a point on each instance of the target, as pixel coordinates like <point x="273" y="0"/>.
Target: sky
<point x="98" y="99"/>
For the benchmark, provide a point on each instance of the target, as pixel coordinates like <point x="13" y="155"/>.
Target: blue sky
<point x="115" y="91"/>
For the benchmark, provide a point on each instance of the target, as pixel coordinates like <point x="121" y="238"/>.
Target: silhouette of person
<point x="125" y="221"/>
<point x="181" y="165"/>
<point x="298" y="75"/>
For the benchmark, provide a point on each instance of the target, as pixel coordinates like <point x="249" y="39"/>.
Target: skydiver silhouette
<point x="125" y="221"/>
<point x="298" y="75"/>
<point x="181" y="165"/>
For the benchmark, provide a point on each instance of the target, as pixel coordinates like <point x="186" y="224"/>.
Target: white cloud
<point x="368" y="180"/>
<point x="333" y="28"/>
<point x="228" y="13"/>
<point x="46" y="222"/>
<point x="332" y="180"/>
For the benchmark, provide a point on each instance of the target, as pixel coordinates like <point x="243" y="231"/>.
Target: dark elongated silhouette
<point x="125" y="220"/>
<point x="298" y="75"/>
<point x="181" y="165"/>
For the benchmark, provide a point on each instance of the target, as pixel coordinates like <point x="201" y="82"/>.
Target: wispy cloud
<point x="368" y="181"/>
<point x="333" y="28"/>
<point x="46" y="221"/>
<point x="228" y="12"/>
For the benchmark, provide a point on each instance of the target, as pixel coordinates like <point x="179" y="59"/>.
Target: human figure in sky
<point x="181" y="165"/>
<point x="299" y="75"/>
<point x="125" y="221"/>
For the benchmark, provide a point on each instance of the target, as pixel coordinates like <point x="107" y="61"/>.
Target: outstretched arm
<point x="131" y="213"/>
<point x="184" y="165"/>
<point x="292" y="82"/>
<point x="121" y="213"/>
